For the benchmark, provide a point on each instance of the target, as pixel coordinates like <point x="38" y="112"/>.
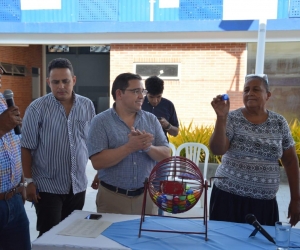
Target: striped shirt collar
<point x="74" y="95"/>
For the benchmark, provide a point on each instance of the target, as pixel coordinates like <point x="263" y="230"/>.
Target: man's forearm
<point x="173" y="131"/>
<point x="26" y="162"/>
<point x="159" y="153"/>
<point x="109" y="157"/>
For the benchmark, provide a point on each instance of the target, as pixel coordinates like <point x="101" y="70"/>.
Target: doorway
<point x="92" y="73"/>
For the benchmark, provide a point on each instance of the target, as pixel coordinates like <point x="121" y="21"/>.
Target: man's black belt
<point x="131" y="193"/>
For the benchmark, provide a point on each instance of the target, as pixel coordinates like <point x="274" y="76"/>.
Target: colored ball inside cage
<point x="182" y="197"/>
<point x="176" y="200"/>
<point x="159" y="200"/>
<point x="170" y="203"/>
<point x="169" y="197"/>
<point x="190" y="191"/>
<point x="196" y="194"/>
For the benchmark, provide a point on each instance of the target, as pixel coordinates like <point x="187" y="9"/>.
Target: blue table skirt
<point x="221" y="235"/>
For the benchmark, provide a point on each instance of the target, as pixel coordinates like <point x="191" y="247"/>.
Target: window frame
<point x="160" y="76"/>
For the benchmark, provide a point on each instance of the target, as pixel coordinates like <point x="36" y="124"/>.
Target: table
<point x="51" y="241"/>
<point x="123" y="234"/>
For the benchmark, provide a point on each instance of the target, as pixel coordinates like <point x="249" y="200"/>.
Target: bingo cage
<point x="175" y="185"/>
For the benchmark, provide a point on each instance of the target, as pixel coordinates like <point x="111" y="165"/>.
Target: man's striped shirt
<point x="58" y="143"/>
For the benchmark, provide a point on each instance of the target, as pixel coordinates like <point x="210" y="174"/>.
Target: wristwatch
<point x="24" y="184"/>
<point x="28" y="180"/>
<point x="168" y="127"/>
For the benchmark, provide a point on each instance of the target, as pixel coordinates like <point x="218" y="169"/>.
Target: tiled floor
<point x="283" y="197"/>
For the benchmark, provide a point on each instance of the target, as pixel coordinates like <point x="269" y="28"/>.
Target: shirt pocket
<point x="82" y="127"/>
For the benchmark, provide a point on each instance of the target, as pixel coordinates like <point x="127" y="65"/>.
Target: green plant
<point x="295" y="131"/>
<point x="199" y="134"/>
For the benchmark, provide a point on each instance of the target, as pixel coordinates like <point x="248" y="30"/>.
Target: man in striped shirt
<point x="14" y="224"/>
<point x="54" y="152"/>
<point x="124" y="145"/>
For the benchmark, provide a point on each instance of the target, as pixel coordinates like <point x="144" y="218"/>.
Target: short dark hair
<point x="60" y="63"/>
<point x="121" y="82"/>
<point x="154" y="85"/>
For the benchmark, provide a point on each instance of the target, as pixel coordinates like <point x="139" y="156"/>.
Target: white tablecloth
<point x="52" y="241"/>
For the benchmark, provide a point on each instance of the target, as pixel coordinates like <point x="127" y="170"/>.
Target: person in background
<point x="124" y="144"/>
<point x="252" y="139"/>
<point x="14" y="224"/>
<point x="54" y="151"/>
<point x="161" y="107"/>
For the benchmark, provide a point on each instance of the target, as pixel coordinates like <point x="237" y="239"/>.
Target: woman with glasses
<point x="252" y="140"/>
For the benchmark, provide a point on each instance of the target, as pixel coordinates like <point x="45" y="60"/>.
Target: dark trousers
<point x="225" y="206"/>
<point x="53" y="208"/>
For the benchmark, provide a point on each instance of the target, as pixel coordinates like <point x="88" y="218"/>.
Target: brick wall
<point x="206" y="71"/>
<point x="21" y="85"/>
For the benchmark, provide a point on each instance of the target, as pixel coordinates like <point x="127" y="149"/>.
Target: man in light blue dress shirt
<point x="124" y="144"/>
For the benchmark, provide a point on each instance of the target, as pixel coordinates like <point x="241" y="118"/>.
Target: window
<point x="282" y="65"/>
<point x="19" y="70"/>
<point x="13" y="69"/>
<point x="7" y="68"/>
<point x="163" y="70"/>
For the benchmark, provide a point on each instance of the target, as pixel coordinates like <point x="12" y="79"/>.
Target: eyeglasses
<point x="137" y="91"/>
<point x="264" y="77"/>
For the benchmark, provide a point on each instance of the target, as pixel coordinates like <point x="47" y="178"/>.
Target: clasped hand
<point x="139" y="140"/>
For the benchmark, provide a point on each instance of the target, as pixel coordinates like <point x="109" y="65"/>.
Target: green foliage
<point x="199" y="134"/>
<point x="295" y="131"/>
<point x="203" y="133"/>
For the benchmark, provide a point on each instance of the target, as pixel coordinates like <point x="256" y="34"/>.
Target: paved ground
<point x="283" y="197"/>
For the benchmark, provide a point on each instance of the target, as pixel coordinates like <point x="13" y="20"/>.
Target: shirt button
<point x="134" y="163"/>
<point x="134" y="178"/>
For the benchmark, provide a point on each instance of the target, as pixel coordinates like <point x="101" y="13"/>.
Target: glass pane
<point x="161" y="70"/>
<point x="282" y="65"/>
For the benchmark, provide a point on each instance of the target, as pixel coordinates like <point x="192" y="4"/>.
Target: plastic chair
<point x="193" y="152"/>
<point x="173" y="148"/>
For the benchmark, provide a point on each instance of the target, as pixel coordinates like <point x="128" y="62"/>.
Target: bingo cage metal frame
<point x="175" y="185"/>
